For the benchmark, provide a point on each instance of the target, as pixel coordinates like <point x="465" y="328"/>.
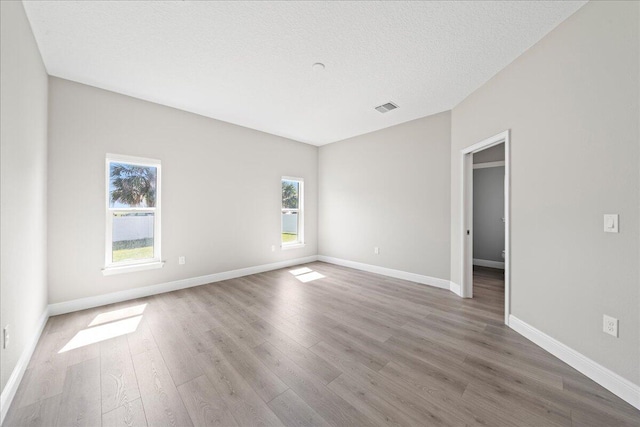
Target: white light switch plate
<point x="611" y="223"/>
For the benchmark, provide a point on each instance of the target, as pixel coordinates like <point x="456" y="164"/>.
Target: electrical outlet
<point x="610" y="325"/>
<point x="376" y="250"/>
<point x="181" y="260"/>
<point x="5" y="337"/>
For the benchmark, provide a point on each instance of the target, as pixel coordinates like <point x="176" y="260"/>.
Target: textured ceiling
<point x="249" y="63"/>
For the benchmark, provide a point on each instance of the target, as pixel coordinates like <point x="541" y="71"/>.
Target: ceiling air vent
<point x="386" y="107"/>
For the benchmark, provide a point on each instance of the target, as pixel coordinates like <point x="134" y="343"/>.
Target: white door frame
<point x="467" y="217"/>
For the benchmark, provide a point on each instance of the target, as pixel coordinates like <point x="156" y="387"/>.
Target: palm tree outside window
<point x="133" y="211"/>
<point x="292" y="218"/>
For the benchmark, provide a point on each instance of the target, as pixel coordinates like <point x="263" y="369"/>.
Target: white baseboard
<point x="455" y="288"/>
<point x="10" y="389"/>
<point x="621" y="387"/>
<point x="397" y="274"/>
<point x="90" y="302"/>
<point x="488" y="263"/>
<point x="613" y="382"/>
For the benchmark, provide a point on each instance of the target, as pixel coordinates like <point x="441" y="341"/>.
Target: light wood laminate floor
<point x="348" y="349"/>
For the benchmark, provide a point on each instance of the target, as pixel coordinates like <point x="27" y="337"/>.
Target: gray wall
<point x="571" y="102"/>
<point x="221" y="189"/>
<point x="574" y="94"/>
<point x="488" y="211"/>
<point x="389" y="189"/>
<point x="23" y="183"/>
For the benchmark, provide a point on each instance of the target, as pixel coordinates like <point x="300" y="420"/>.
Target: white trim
<point x="397" y="274"/>
<point x="488" y="165"/>
<point x="133" y="160"/>
<point x="621" y="387"/>
<point x="99" y="300"/>
<point x="110" y="271"/>
<point x="488" y="263"/>
<point x="466" y="261"/>
<point x="507" y="226"/>
<point x="11" y="387"/>
<point x="111" y="267"/>
<point x="466" y="287"/>
<point x="286" y="247"/>
<point x="455" y="288"/>
<point x="300" y="242"/>
<point x="487" y="143"/>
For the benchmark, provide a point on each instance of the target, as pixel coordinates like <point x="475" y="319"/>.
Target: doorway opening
<point x="485" y="221"/>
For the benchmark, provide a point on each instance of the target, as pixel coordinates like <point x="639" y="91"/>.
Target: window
<point x="292" y="218"/>
<point x="133" y="214"/>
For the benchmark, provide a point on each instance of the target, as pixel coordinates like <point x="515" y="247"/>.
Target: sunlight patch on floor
<point x="308" y="277"/>
<point x="305" y="274"/>
<point x="102" y="333"/>
<point x="122" y="313"/>
<point x="299" y="271"/>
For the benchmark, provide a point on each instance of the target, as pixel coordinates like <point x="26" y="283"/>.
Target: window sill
<point x="292" y="246"/>
<point x="109" y="271"/>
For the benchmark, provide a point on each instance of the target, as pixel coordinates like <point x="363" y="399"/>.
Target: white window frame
<point x="300" y="241"/>
<point x="111" y="267"/>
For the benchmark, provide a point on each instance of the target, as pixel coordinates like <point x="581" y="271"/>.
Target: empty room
<point x="322" y="213"/>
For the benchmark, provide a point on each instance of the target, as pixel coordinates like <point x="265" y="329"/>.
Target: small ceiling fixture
<point x="318" y="66"/>
<point x="384" y="108"/>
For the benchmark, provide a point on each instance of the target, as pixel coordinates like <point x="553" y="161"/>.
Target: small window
<point x="133" y="212"/>
<point x="292" y="218"/>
